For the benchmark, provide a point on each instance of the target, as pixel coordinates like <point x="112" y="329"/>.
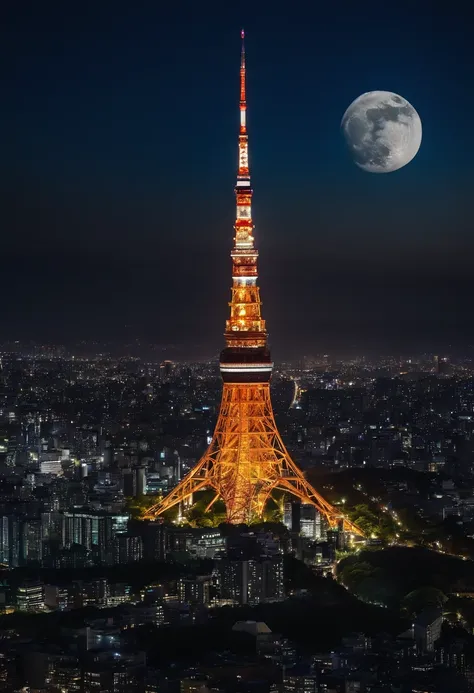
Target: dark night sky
<point x="119" y="148"/>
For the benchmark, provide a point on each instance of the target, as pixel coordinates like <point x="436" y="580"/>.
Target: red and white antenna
<point x="243" y="98"/>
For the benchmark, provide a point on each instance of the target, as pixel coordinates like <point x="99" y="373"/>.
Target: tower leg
<point x="216" y="498"/>
<point x="196" y="480"/>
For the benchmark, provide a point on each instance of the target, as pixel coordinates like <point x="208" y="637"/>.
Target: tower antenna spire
<point x="243" y="95"/>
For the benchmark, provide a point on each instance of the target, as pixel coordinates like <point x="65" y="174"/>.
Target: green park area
<point x="410" y="580"/>
<point x="198" y="515"/>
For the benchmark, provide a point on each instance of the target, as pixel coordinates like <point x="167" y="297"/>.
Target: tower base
<point x="246" y="461"/>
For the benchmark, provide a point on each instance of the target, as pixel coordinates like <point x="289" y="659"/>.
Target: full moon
<point x="382" y="131"/>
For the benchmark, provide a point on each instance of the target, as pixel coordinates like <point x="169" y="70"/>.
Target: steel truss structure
<point x="246" y="460"/>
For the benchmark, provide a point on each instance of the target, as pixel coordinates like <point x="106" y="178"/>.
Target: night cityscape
<point x="92" y="594"/>
<point x="186" y="512"/>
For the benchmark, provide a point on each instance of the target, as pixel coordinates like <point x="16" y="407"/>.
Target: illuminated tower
<point x="246" y="460"/>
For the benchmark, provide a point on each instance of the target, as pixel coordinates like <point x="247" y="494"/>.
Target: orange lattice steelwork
<point x="246" y="460"/>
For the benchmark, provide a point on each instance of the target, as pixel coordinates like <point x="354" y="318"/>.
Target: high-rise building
<point x="134" y="481"/>
<point x="166" y="371"/>
<point x="154" y="541"/>
<point x="195" y="590"/>
<point x="300" y="679"/>
<point x="31" y="546"/>
<point x="128" y="548"/>
<point x="288" y="515"/>
<point x="250" y="581"/>
<point x="114" y="672"/>
<point x="86" y="443"/>
<point x="140" y="475"/>
<point x="427" y="629"/>
<point x="46" y="668"/>
<point x="246" y="459"/>
<point x="94" y="531"/>
<point x="90" y="593"/>
<point x="30" y="596"/>
<point x="310" y="522"/>
<point x="272" y="578"/>
<point x="14" y="538"/>
<point x="4" y="541"/>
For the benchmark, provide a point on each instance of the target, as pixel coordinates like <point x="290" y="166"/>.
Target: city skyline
<point x="305" y="521"/>
<point x="107" y="143"/>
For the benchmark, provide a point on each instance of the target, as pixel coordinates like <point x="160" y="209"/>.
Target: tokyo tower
<point x="246" y="460"/>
